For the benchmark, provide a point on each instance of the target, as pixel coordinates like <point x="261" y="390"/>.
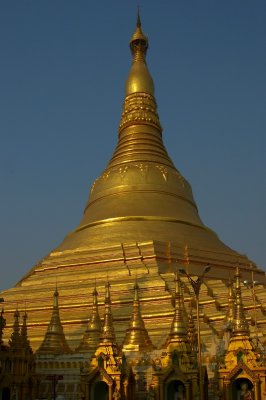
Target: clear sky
<point x="62" y="73"/>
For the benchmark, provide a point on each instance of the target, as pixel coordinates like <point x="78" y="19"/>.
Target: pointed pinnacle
<point x="136" y="291"/>
<point x="56" y="294"/>
<point x="107" y="291"/>
<point x="138" y="19"/>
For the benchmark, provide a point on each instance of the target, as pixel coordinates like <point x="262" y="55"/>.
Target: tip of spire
<point x="138" y="19"/>
<point x="107" y="290"/>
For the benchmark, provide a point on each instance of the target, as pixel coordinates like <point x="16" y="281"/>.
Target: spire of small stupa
<point x="108" y="333"/>
<point x="24" y="333"/>
<point x="229" y="318"/>
<point x="92" y="334"/>
<point x="54" y="341"/>
<point x="178" y="334"/>
<point x="240" y="347"/>
<point x="191" y="330"/>
<point x="240" y="324"/>
<point x="137" y="337"/>
<point x="2" y="326"/>
<point x="15" y="339"/>
<point x="107" y="349"/>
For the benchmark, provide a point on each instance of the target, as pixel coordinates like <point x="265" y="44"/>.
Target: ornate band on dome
<point x="139" y="108"/>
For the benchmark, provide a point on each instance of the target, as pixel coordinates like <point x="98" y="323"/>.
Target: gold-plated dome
<point x="141" y="197"/>
<point x="139" y="218"/>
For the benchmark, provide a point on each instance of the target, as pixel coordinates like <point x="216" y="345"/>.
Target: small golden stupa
<point x="140" y="221"/>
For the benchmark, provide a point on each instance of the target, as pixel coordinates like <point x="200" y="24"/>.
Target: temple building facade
<point x="141" y="300"/>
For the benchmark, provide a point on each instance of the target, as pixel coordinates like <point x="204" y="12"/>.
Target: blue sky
<point x="62" y="73"/>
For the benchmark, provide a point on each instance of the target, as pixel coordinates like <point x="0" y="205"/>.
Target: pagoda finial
<point x="229" y="318"/>
<point x="240" y="325"/>
<point x="137" y="337"/>
<point x="191" y="331"/>
<point x="15" y="339"/>
<point x="108" y="333"/>
<point x="138" y="19"/>
<point x="139" y="79"/>
<point x="2" y="325"/>
<point x="54" y="341"/>
<point x="92" y="334"/>
<point x="178" y="327"/>
<point x="56" y="295"/>
<point x="24" y="332"/>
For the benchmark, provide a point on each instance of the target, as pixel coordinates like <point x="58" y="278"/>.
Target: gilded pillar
<point x="227" y="393"/>
<point x="257" y="390"/>
<point x="110" y="391"/>
<point x="187" y="388"/>
<point x="159" y="389"/>
<point x="195" y="386"/>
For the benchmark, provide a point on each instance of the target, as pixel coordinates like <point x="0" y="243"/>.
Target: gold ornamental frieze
<point x="139" y="108"/>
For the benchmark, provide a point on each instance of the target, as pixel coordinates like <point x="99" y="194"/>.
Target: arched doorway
<point x="6" y="393"/>
<point x="242" y="389"/>
<point x="175" y="390"/>
<point x="100" y="391"/>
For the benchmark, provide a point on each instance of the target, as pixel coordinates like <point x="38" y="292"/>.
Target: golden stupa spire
<point x="139" y="79"/>
<point x="229" y="318"/>
<point x="107" y="344"/>
<point x="137" y="337"/>
<point x="140" y="197"/>
<point x="108" y="333"/>
<point x="2" y="325"/>
<point x="240" y="324"/>
<point x="240" y="347"/>
<point x="92" y="334"/>
<point x="178" y="349"/>
<point x="15" y="339"/>
<point x="191" y="330"/>
<point x="54" y="341"/>
<point x="24" y="333"/>
<point x="178" y="332"/>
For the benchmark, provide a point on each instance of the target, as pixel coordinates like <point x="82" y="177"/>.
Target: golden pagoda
<point x="137" y="337"/>
<point x="54" y="341"/>
<point x="243" y="373"/>
<point x="17" y="362"/>
<point x="92" y="334"/>
<point x="140" y="220"/>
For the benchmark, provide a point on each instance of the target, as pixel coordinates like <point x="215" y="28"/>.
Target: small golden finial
<point x="178" y="328"/>
<point x="240" y="325"/>
<point x="15" y="340"/>
<point x="138" y="19"/>
<point x="2" y="325"/>
<point x="108" y="333"/>
<point x="56" y="295"/>
<point x="24" y="332"/>
<point x="139" y="42"/>
<point x="92" y="334"/>
<point x="191" y="331"/>
<point x="229" y="318"/>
